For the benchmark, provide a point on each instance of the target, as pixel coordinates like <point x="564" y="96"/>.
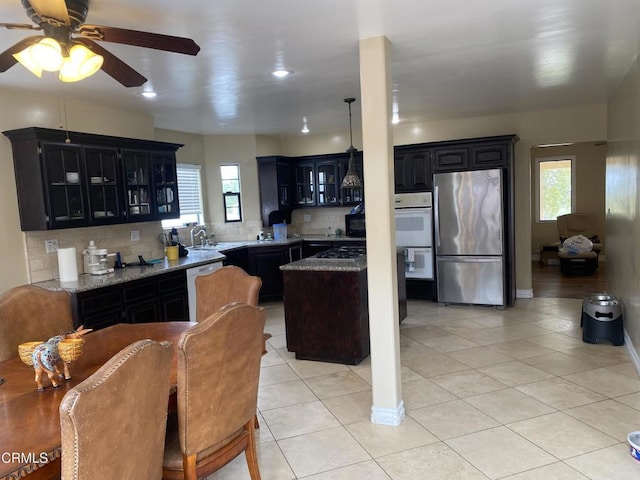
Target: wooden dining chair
<point x="226" y="285"/>
<point x="217" y="397"/>
<point x="28" y="314"/>
<point x="113" y="423"/>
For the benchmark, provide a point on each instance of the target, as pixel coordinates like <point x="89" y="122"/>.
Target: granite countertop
<point x="330" y="265"/>
<point x="128" y="274"/>
<point x="196" y="258"/>
<point x="327" y="265"/>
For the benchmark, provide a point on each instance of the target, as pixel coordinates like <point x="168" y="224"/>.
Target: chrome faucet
<point x="199" y="231"/>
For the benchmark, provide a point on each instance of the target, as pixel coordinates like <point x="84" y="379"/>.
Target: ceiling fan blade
<point x="7" y="59"/>
<point x="113" y="66"/>
<point x="19" y="26"/>
<point x="51" y="11"/>
<point x="158" y="41"/>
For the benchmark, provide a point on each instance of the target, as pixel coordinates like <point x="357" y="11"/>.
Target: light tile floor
<point x="489" y="394"/>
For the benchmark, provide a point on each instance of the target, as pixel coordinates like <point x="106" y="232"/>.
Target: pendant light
<point x="351" y="178"/>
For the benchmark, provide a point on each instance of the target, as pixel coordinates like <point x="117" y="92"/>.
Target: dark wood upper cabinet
<point x="490" y="155"/>
<point x="287" y="183"/>
<point x="103" y="179"/>
<point x="275" y="177"/>
<point x="451" y="158"/>
<point x="412" y="170"/>
<point x="71" y="179"/>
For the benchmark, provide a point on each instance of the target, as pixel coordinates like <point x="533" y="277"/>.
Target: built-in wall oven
<point x="413" y="213"/>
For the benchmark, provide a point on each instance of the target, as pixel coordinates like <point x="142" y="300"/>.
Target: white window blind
<point x="189" y="189"/>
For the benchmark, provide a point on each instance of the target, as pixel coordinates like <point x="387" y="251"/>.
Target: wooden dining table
<point x="30" y="443"/>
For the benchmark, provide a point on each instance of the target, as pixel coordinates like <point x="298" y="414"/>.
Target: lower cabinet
<point x="161" y="298"/>
<point x="265" y="263"/>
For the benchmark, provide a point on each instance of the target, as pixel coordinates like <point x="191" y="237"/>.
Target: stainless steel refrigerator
<point x="469" y="237"/>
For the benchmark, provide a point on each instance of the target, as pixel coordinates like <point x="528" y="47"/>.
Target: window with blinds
<point x="189" y="196"/>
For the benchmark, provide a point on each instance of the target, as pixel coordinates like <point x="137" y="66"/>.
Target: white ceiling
<point x="451" y="58"/>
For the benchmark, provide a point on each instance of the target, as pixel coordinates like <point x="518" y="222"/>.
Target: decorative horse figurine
<point x="46" y="358"/>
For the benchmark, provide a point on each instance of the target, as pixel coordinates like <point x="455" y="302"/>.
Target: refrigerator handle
<point x="436" y="214"/>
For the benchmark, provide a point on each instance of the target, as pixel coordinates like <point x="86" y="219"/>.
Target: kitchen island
<point x="326" y="305"/>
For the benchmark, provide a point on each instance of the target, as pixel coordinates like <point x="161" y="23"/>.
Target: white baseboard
<point x="524" y="293"/>
<point x="388" y="416"/>
<point x="635" y="359"/>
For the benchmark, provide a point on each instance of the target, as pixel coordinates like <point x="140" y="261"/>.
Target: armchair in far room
<point x="584" y="224"/>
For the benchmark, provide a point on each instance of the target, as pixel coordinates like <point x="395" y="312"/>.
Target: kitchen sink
<point x="216" y="247"/>
<point x="206" y="247"/>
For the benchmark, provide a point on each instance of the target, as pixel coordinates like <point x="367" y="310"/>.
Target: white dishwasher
<point x="192" y="273"/>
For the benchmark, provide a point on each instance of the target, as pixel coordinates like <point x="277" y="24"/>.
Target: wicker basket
<point x="25" y="350"/>
<point x="70" y="349"/>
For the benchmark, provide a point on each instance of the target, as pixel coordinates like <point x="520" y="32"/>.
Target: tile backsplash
<point x="117" y="238"/>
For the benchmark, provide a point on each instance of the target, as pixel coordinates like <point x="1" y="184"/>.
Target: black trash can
<point x="602" y="319"/>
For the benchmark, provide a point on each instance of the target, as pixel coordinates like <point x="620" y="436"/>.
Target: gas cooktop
<point x="340" y="253"/>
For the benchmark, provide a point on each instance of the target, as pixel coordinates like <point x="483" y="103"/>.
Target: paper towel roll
<point x="67" y="265"/>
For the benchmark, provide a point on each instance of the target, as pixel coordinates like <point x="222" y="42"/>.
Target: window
<point x="189" y="196"/>
<point x="230" y="175"/>
<point x="555" y="187"/>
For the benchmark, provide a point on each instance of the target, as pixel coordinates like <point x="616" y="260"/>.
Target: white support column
<point x="382" y="275"/>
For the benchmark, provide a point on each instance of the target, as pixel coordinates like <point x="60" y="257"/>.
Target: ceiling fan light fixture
<point x="46" y="54"/>
<point x="81" y="63"/>
<point x="27" y="61"/>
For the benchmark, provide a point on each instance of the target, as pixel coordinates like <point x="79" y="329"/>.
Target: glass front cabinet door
<point x="327" y="174"/>
<point x="305" y="186"/>
<point x="165" y="182"/>
<point x="103" y="183"/>
<point x="137" y="181"/>
<point x="64" y="179"/>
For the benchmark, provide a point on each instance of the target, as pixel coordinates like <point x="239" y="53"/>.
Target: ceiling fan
<point x="62" y="19"/>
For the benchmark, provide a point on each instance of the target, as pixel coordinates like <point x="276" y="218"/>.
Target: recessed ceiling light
<point x="149" y="94"/>
<point x="281" y="73"/>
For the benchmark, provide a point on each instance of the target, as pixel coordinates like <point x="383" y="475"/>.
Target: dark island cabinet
<point x="71" y="179"/>
<point x="412" y="170"/>
<point x="160" y="298"/>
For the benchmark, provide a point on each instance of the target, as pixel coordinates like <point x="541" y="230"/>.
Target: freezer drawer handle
<point x="470" y="260"/>
<point x="436" y="214"/>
